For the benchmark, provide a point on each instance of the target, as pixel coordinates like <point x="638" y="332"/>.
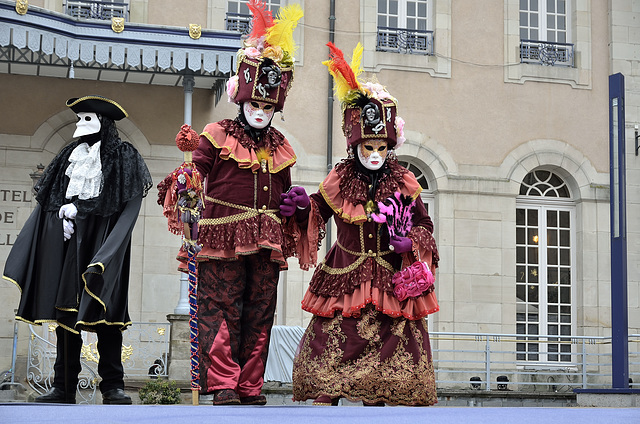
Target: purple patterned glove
<point x="400" y="244"/>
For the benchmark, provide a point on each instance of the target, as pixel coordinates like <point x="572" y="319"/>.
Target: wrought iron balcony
<point x="104" y="10"/>
<point x="546" y="53"/>
<point x="401" y="40"/>
<point x="238" y="22"/>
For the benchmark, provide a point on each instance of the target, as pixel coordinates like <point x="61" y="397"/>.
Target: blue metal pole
<point x="619" y="304"/>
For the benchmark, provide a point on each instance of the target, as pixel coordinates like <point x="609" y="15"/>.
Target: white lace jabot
<point x="85" y="172"/>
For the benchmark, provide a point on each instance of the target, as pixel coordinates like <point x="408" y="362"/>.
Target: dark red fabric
<point x="241" y="294"/>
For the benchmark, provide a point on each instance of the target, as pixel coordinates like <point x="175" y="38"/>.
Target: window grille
<point x="405" y="26"/>
<point x="104" y="10"/>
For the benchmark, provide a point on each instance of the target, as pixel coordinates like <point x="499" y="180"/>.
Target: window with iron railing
<point x="545" y="32"/>
<point x="104" y="10"/>
<point x="239" y="16"/>
<point x="405" y="26"/>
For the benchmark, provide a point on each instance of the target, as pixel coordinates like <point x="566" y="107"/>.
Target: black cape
<point x="84" y="281"/>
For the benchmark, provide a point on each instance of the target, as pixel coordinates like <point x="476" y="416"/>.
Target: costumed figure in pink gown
<point x="368" y="339"/>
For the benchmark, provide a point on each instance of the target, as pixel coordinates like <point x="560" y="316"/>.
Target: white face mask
<point x="88" y="123"/>
<point x="372" y="154"/>
<point x="258" y="114"/>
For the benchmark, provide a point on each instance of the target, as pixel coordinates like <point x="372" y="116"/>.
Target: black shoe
<point x="56" y="395"/>
<point x="116" y="397"/>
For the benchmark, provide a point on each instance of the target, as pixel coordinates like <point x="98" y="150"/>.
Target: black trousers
<point x="67" y="366"/>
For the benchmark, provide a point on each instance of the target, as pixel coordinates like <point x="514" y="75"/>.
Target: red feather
<point x="340" y="65"/>
<point x="262" y="18"/>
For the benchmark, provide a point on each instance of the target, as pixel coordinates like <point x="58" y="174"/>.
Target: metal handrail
<point x="547" y="53"/>
<point x="490" y="356"/>
<point x="92" y="9"/>
<point x="403" y="40"/>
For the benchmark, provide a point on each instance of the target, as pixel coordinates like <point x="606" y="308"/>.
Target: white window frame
<point x="542" y="205"/>
<point x="543" y="18"/>
<point x="403" y="17"/>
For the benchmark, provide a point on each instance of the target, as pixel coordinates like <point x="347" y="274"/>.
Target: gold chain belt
<point x="249" y="213"/>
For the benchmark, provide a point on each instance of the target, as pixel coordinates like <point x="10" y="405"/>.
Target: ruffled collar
<point x="346" y="189"/>
<point x="234" y="143"/>
<point x="354" y="183"/>
<point x="270" y="137"/>
<point x="84" y="172"/>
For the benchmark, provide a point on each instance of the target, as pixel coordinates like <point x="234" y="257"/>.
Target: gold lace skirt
<point x="373" y="358"/>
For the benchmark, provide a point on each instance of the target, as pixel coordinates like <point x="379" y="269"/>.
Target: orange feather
<point x="262" y="18"/>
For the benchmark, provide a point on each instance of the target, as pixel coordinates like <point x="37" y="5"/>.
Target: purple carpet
<point x="30" y="413"/>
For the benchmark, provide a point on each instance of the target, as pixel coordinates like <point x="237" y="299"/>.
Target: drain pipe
<point x="332" y="28"/>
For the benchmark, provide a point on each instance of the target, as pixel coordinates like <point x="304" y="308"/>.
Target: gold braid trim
<point x="249" y="213"/>
<point x="87" y="288"/>
<point x="13" y="281"/>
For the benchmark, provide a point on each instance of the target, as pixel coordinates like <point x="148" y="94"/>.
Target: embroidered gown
<point x="362" y="343"/>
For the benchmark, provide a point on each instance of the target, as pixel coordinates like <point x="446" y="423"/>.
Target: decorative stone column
<point x="179" y="348"/>
<point x="183" y="303"/>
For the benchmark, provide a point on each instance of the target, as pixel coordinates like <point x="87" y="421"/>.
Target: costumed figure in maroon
<point x="368" y="339"/>
<point x="246" y="166"/>
<point x="71" y="259"/>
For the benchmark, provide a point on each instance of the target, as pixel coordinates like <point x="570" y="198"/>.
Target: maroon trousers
<point x="236" y="306"/>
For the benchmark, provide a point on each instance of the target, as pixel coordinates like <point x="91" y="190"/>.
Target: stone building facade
<point x="507" y="126"/>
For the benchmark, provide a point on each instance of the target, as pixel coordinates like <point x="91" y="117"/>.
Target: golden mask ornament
<point x="195" y="31"/>
<point x="22" y="6"/>
<point x="117" y="24"/>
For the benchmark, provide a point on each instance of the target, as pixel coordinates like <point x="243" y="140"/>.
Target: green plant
<point x="160" y="392"/>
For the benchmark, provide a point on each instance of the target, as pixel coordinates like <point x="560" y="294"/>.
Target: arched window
<point x="427" y="194"/>
<point x="545" y="269"/>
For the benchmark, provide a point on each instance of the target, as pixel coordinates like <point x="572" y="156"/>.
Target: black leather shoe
<point x="56" y="395"/>
<point x="116" y="397"/>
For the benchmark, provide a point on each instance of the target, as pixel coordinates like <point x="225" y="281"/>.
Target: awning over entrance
<point x="50" y="44"/>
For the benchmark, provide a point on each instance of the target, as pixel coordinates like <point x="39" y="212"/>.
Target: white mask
<point x="372" y="154"/>
<point x="88" y="123"/>
<point x="258" y="114"/>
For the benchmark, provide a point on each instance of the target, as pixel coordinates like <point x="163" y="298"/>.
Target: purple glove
<point x="287" y="207"/>
<point x="296" y="198"/>
<point x="400" y="244"/>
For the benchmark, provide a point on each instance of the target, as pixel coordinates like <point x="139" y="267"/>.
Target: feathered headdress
<point x="357" y="97"/>
<point x="265" y="63"/>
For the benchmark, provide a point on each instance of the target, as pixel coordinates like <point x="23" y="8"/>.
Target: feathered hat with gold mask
<point x="369" y="111"/>
<point x="265" y="63"/>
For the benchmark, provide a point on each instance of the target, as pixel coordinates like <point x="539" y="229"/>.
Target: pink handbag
<point x="413" y="281"/>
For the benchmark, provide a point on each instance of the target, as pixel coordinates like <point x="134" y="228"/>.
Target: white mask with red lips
<point x="372" y="154"/>
<point x="258" y="114"/>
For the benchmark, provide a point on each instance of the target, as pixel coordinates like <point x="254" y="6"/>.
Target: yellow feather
<point x="356" y="60"/>
<point x="262" y="154"/>
<point x="281" y="33"/>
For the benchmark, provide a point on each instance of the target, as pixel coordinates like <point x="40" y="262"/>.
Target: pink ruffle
<point x="350" y="305"/>
<point x="282" y="154"/>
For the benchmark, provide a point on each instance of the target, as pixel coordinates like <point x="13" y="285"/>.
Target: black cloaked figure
<point x="71" y="260"/>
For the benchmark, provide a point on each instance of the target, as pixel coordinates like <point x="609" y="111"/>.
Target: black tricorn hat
<point x="97" y="104"/>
